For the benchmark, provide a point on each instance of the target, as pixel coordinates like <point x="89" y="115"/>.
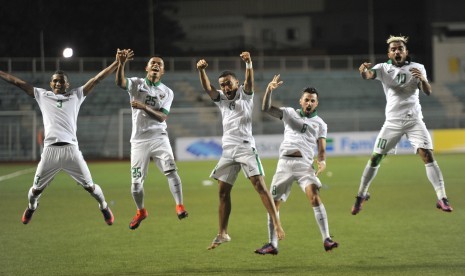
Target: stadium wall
<point x="337" y="144"/>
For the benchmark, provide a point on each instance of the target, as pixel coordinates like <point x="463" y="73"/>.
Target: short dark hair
<point x="61" y="72"/>
<point x="157" y="56"/>
<point x="311" y="90"/>
<point x="227" y="73"/>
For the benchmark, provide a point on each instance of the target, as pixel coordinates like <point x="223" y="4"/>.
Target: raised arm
<point x="266" y="103"/>
<point x="365" y="71"/>
<point x="26" y="87"/>
<point x="206" y="85"/>
<point x="249" y="79"/>
<point x="100" y="76"/>
<point x="321" y="161"/>
<point x="122" y="56"/>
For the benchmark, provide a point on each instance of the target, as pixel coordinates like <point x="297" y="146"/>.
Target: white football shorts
<point x="393" y="130"/>
<point x="159" y="149"/>
<point x="67" y="158"/>
<point x="233" y="159"/>
<point x="288" y="170"/>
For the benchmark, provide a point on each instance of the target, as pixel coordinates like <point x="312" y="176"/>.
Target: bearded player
<point x="402" y="81"/>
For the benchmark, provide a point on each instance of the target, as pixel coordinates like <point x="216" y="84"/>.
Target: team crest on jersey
<point x="162" y="96"/>
<point x="232" y="106"/>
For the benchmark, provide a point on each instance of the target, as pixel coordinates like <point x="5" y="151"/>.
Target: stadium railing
<point x="37" y="65"/>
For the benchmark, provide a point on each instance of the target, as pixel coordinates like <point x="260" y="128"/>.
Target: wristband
<point x="322" y="162"/>
<point x="248" y="65"/>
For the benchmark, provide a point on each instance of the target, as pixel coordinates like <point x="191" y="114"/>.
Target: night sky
<point x="92" y="28"/>
<point x="95" y="28"/>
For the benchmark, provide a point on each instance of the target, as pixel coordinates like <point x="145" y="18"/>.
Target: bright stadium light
<point x="67" y="52"/>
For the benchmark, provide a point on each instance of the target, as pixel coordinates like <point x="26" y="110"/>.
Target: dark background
<point x="96" y="28"/>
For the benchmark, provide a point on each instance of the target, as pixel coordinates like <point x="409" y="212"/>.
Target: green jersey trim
<point x="148" y="82"/>
<point x="164" y="111"/>
<point x="311" y="115"/>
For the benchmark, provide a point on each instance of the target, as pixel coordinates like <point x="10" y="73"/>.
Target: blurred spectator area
<point x="347" y="103"/>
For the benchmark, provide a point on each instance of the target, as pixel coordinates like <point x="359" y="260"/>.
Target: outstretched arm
<point x="28" y="88"/>
<point x="249" y="79"/>
<point x="99" y="77"/>
<point x="122" y="56"/>
<point x="321" y="161"/>
<point x="206" y="85"/>
<point x="365" y="71"/>
<point x="266" y="103"/>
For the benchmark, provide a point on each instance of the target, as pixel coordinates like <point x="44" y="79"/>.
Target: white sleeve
<point x="131" y="85"/>
<point x="167" y="104"/>
<point x="379" y="71"/>
<point x="323" y="130"/>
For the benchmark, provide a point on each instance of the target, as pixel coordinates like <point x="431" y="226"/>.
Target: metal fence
<point x="188" y="64"/>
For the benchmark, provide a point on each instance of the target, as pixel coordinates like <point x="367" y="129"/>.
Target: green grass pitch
<point x="399" y="231"/>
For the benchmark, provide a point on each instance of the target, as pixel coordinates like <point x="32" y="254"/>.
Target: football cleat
<point x="181" y="212"/>
<point x="359" y="200"/>
<point x="138" y="218"/>
<point x="27" y="215"/>
<point x="219" y="239"/>
<point x="108" y="215"/>
<point x="329" y="244"/>
<point x="443" y="204"/>
<point x="267" y="249"/>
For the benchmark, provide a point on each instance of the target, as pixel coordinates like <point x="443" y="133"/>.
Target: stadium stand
<point x="347" y="103"/>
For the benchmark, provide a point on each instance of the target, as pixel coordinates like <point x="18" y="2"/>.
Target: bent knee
<point x="136" y="187"/>
<point x="426" y="155"/>
<point x="313" y="194"/>
<point x="169" y="173"/>
<point x="376" y="159"/>
<point x="36" y="192"/>
<point x="90" y="189"/>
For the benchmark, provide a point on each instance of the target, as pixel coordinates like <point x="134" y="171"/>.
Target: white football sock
<point x="33" y="200"/>
<point x="174" y="181"/>
<point x="322" y="220"/>
<point x="98" y="195"/>
<point x="273" y="239"/>
<point x="137" y="191"/>
<point x="434" y="174"/>
<point x="368" y="175"/>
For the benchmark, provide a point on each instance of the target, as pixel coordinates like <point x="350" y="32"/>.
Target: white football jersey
<point x="59" y="112"/>
<point x="401" y="89"/>
<point x="156" y="96"/>
<point x="237" y="118"/>
<point x="301" y="133"/>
